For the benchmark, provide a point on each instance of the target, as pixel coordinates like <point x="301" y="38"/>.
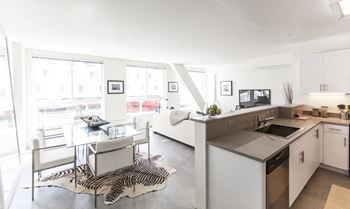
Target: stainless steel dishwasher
<point x="277" y="181"/>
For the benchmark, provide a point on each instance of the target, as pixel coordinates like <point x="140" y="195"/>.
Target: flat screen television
<point x="254" y="97"/>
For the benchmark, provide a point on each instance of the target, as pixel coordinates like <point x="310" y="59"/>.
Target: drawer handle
<point x="344" y="141"/>
<point x="302" y="157"/>
<point x="317" y="133"/>
<point x="335" y="129"/>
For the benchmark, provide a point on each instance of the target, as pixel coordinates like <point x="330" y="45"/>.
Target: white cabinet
<point x="327" y="72"/>
<point x="303" y="161"/>
<point x="337" y="72"/>
<point x="336" y="146"/>
<point x="311" y="73"/>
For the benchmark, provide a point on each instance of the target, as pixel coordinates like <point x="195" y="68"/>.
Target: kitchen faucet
<point x="264" y="121"/>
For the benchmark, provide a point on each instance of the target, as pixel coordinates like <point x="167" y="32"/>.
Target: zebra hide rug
<point x="145" y="175"/>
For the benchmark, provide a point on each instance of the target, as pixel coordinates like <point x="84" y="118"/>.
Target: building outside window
<point x="144" y="88"/>
<point x="65" y="89"/>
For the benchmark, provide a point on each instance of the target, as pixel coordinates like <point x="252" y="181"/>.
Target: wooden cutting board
<point x="338" y="198"/>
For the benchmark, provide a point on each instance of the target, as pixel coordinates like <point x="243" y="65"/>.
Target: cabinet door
<point x="297" y="173"/>
<point x="336" y="150"/>
<point x="321" y="141"/>
<point x="316" y="141"/>
<point x="311" y="73"/>
<point x="337" y="72"/>
<point x="312" y="153"/>
<point x="303" y="161"/>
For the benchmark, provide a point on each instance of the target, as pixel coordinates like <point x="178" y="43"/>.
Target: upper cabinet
<point x="311" y="73"/>
<point x="328" y="72"/>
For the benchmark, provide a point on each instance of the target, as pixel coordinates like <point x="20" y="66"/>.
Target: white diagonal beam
<point x="187" y="80"/>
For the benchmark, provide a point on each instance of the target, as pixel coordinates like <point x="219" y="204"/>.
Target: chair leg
<point x="138" y="148"/>
<point x="95" y="183"/>
<point x="149" y="151"/>
<point x="39" y="175"/>
<point x="33" y="153"/>
<point x="134" y="161"/>
<point x="75" y="167"/>
<point x="32" y="185"/>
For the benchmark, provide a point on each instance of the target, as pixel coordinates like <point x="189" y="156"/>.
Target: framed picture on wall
<point x="173" y="87"/>
<point x="115" y="87"/>
<point x="226" y="88"/>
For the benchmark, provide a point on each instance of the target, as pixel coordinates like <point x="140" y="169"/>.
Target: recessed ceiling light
<point x="345" y="7"/>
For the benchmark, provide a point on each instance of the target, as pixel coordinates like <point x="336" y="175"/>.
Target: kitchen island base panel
<point x="235" y="181"/>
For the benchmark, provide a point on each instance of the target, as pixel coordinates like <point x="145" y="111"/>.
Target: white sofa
<point x="182" y="132"/>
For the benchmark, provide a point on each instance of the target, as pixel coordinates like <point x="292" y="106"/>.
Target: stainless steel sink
<point x="278" y="130"/>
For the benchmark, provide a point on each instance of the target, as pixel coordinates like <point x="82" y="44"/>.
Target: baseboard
<point x="337" y="170"/>
<point x="172" y="139"/>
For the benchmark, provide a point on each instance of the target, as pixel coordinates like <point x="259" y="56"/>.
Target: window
<point x="186" y="99"/>
<point x="144" y="88"/>
<point x="65" y="89"/>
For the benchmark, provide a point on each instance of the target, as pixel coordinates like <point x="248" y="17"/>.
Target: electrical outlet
<point x="230" y="123"/>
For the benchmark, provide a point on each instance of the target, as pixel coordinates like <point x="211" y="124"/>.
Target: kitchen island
<point x="231" y="157"/>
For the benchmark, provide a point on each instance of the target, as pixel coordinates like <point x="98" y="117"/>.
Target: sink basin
<point x="278" y="130"/>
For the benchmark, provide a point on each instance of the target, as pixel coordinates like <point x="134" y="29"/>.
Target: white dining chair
<point x="49" y="153"/>
<point x="143" y="138"/>
<point x="109" y="155"/>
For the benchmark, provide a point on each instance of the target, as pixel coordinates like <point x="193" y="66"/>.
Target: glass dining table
<point x="78" y="135"/>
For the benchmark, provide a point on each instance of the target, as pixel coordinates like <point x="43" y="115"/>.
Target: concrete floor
<point x="179" y="193"/>
<point x="315" y="193"/>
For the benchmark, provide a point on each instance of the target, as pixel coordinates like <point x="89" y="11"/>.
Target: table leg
<point x="75" y="166"/>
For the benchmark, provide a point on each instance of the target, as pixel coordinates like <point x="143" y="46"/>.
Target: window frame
<point x="64" y="102"/>
<point x="141" y="99"/>
<point x="57" y="58"/>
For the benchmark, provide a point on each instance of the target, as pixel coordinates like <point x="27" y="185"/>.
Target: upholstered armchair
<point x="49" y="153"/>
<point x="110" y="155"/>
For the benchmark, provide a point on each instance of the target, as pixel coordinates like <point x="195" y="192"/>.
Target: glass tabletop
<point x="81" y="134"/>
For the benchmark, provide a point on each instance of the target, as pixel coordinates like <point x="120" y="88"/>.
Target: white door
<point x="311" y="73"/>
<point x="336" y="150"/>
<point x="337" y="72"/>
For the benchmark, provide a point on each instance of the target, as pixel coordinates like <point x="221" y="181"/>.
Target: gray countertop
<point x="206" y="118"/>
<point x="262" y="147"/>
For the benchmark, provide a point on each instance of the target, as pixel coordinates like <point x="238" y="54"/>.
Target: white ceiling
<point x="184" y="31"/>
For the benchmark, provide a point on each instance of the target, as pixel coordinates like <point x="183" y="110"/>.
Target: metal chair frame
<point x="39" y="170"/>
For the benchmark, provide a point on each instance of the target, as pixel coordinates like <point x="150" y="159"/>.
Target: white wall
<point x="246" y="77"/>
<point x="173" y="97"/>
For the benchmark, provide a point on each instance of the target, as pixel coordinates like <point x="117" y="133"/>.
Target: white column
<point x="19" y="84"/>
